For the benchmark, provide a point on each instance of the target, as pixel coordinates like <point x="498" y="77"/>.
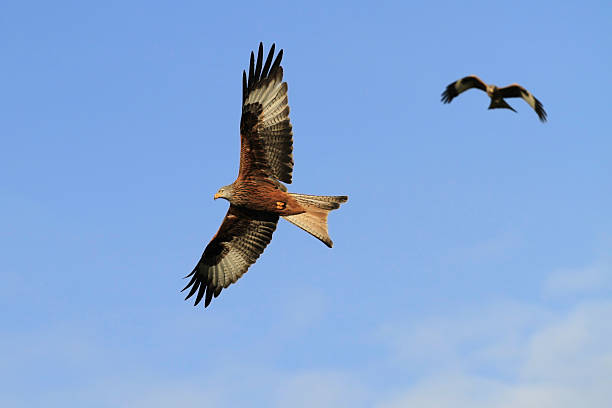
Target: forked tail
<point x="500" y="103"/>
<point x="314" y="220"/>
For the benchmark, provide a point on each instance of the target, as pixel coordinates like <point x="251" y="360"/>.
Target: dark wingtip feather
<point x="192" y="280"/>
<point x="191" y="273"/>
<point x="449" y="93"/>
<point x="259" y="58"/>
<point x="244" y="86"/>
<point x="277" y="62"/>
<point x="251" y="70"/>
<point x="195" y="286"/>
<point x="539" y="108"/>
<point x="204" y="291"/>
<point x="266" y="68"/>
<point x="209" y="294"/>
<point x="258" y="73"/>
<point x="188" y="285"/>
<point x="200" y="294"/>
<point x="446" y="98"/>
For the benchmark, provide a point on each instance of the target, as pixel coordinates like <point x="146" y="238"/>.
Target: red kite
<point x="257" y="197"/>
<point x="496" y="94"/>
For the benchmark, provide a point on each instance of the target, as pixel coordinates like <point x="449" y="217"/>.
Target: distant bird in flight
<point x="496" y="94"/>
<point x="257" y="197"/>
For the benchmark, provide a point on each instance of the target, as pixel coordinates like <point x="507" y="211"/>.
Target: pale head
<point x="491" y="89"/>
<point x="225" y="192"/>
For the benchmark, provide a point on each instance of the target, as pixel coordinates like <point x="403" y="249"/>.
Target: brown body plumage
<point x="496" y="94"/>
<point x="257" y="197"/>
<point x="263" y="195"/>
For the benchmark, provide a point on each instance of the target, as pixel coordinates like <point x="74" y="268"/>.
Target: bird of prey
<point x="496" y="94"/>
<point x="257" y="197"/>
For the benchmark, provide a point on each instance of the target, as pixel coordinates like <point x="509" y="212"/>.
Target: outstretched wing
<point x="242" y="237"/>
<point x="265" y="130"/>
<point x="453" y="90"/>
<point x="517" y="91"/>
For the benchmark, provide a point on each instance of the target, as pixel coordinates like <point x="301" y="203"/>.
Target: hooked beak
<point x="217" y="195"/>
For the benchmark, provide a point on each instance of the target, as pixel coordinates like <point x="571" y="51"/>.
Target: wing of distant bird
<point x="517" y="91"/>
<point x="462" y="85"/>
<point x="265" y="130"/>
<point x="241" y="239"/>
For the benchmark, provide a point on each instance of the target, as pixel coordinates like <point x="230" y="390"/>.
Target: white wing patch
<point x="528" y="97"/>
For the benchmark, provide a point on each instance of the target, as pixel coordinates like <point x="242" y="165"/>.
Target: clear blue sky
<point x="471" y="265"/>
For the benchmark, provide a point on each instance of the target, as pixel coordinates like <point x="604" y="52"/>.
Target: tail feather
<point x="500" y="104"/>
<point x="314" y="220"/>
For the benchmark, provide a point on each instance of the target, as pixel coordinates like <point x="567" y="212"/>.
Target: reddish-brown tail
<point x="314" y="220"/>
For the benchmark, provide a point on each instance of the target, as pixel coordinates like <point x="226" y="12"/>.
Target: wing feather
<point x="517" y="91"/>
<point x="259" y="58"/>
<point x="267" y="65"/>
<point x="241" y="239"/>
<point x="265" y="128"/>
<point x="454" y="89"/>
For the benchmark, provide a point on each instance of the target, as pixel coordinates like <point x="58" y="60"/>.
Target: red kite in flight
<point x="257" y="197"/>
<point x="496" y="94"/>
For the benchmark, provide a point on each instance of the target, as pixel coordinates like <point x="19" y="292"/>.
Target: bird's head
<point x="225" y="192"/>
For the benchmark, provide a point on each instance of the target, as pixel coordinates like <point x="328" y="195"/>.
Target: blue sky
<point x="471" y="265"/>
